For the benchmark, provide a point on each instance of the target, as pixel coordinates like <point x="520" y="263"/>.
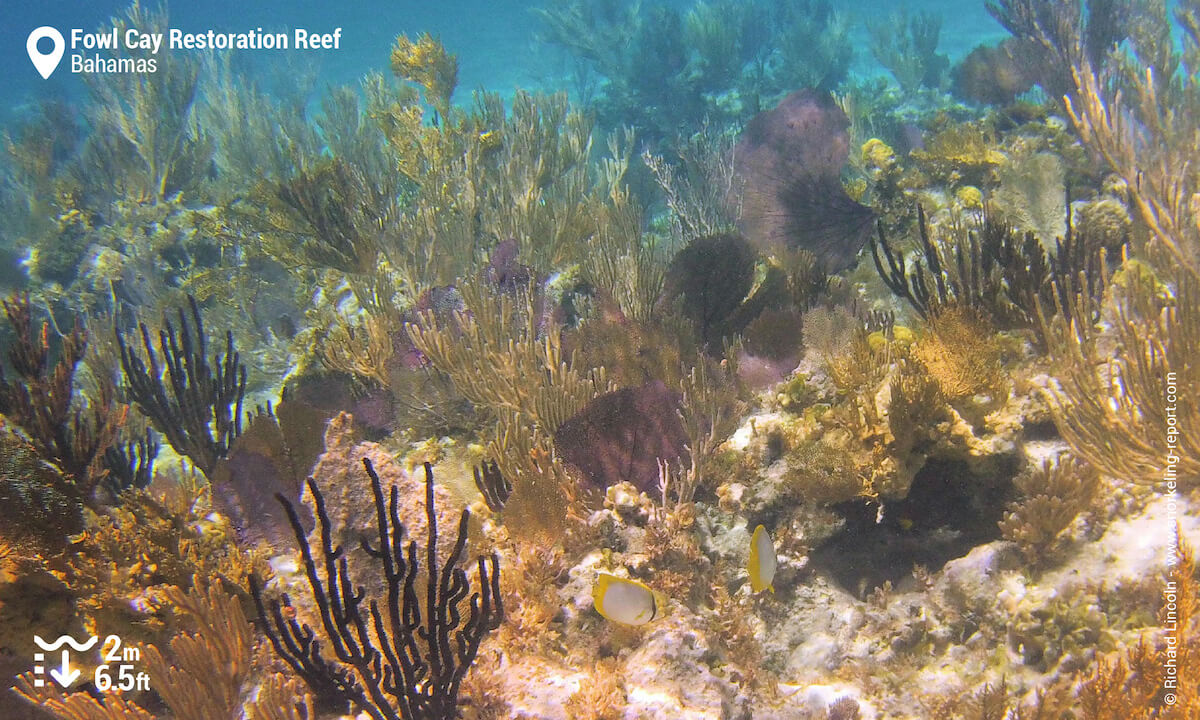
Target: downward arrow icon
<point x="65" y="675"/>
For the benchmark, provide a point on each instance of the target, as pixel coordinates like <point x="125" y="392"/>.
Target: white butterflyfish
<point x="762" y="561"/>
<point x="625" y="601"/>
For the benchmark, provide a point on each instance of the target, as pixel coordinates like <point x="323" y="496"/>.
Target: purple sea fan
<point x="442" y="302"/>
<point x="503" y="270"/>
<point x="273" y="456"/>
<point x="790" y="160"/>
<point x="622" y="436"/>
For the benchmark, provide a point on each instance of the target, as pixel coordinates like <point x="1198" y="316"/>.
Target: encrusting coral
<point x="1154" y="679"/>
<point x="603" y="700"/>
<point x="406" y="658"/>
<point x="1157" y="678"/>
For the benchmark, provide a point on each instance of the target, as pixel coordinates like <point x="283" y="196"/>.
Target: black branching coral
<point x="130" y="465"/>
<point x="492" y="484"/>
<point x="996" y="270"/>
<point x="402" y="657"/>
<point x="197" y="406"/>
<point x="68" y="432"/>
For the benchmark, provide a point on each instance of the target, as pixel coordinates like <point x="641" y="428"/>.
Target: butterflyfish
<point x="625" y="601"/>
<point x="762" y="561"/>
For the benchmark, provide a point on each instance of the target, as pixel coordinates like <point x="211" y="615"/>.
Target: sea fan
<point x="790" y="159"/>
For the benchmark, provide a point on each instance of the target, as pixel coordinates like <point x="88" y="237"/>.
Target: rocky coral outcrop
<point x="350" y="506"/>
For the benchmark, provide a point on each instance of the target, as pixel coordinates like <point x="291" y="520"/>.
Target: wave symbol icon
<point x="66" y="640"/>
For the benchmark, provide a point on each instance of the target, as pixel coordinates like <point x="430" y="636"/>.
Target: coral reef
<point x="119" y="567"/>
<point x="340" y="467"/>
<point x="1139" y="136"/>
<point x="144" y="136"/>
<point x="662" y="70"/>
<point x="993" y="74"/>
<point x="651" y="353"/>
<point x="1126" y="427"/>
<point x="202" y="672"/>
<point x="1032" y="195"/>
<point x="499" y="357"/>
<point x="1063" y="34"/>
<point x="814" y="46"/>
<point x="426" y="63"/>
<point x="703" y="192"/>
<point x="962" y="355"/>
<point x="202" y="679"/>
<point x="1007" y="278"/>
<point x="1138" y="685"/>
<point x="40" y="513"/>
<point x="713" y="275"/>
<point x="960" y="152"/>
<point x="274" y="455"/>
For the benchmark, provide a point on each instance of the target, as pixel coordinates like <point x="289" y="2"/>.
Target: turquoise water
<point x="494" y="41"/>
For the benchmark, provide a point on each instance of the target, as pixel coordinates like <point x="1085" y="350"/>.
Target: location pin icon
<point x="45" y="62"/>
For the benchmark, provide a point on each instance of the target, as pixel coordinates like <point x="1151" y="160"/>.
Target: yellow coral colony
<point x="427" y="63"/>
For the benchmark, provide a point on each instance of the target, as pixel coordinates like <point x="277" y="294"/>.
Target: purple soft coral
<point x="790" y="159"/>
<point x="622" y="436"/>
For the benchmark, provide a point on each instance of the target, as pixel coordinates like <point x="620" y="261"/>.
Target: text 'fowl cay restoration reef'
<point x="600" y="360"/>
